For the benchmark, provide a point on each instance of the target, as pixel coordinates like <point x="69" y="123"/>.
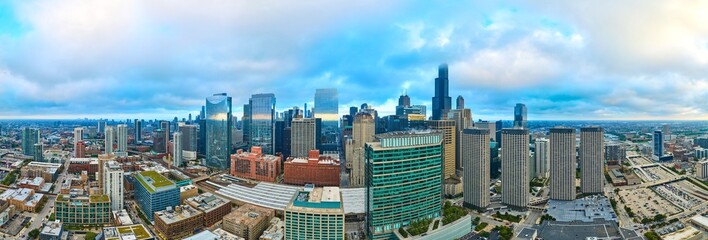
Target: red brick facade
<point x="321" y="171"/>
<point x="255" y="165"/>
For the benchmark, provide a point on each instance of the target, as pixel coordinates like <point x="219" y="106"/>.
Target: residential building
<point x="218" y="131"/>
<point x="615" y="154"/>
<point x="315" y="214"/>
<point x="48" y="171"/>
<point x="327" y="109"/>
<point x="543" y="157"/>
<point x="448" y="129"/>
<point x="113" y="184"/>
<point x="30" y="137"/>
<point x="514" y="166"/>
<point x="213" y="207"/>
<point x="303" y="136"/>
<point x="122" y="138"/>
<point x="591" y="159"/>
<point x="463" y="120"/>
<point x="108" y="140"/>
<point x="83" y="209"/>
<point x="658" y="143"/>
<point x="178" y="223"/>
<point x="177" y="149"/>
<point x="476" y="158"/>
<point x="52" y="230"/>
<point x="562" y="163"/>
<point x="415" y="193"/>
<point x="248" y="221"/>
<point x="701" y="169"/>
<point x="78" y="134"/>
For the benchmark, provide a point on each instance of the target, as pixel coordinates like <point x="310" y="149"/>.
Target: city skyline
<point x="563" y="61"/>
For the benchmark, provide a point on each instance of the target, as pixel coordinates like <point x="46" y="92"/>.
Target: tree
<point x="33" y="234"/>
<point x="90" y="236"/>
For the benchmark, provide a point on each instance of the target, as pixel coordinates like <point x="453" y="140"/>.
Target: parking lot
<point x="645" y="203"/>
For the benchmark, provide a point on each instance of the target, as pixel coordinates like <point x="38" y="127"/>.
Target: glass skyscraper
<point x="262" y="121"/>
<point x="520" y="116"/>
<point x="327" y="108"/>
<point x="218" y="131"/>
<point x="441" y="100"/>
<point x="404" y="180"/>
<point x="30" y="137"/>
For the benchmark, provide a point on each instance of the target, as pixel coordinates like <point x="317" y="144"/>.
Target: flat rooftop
<point x="207" y="202"/>
<point x="318" y="200"/>
<point x="249" y="214"/>
<point x="177" y="214"/>
<point x="152" y="180"/>
<point x="553" y="230"/>
<point x="585" y="209"/>
<point x="136" y="231"/>
<point x="52" y="228"/>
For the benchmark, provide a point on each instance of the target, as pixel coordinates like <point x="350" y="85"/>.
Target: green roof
<point x="158" y="180"/>
<point x="99" y="198"/>
<point x="139" y="231"/>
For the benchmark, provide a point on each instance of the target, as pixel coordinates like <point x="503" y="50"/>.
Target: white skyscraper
<point x="542" y="155"/>
<point x="177" y="149"/>
<point x="113" y="184"/>
<point x="122" y="138"/>
<point x="515" y="167"/>
<point x="78" y="134"/>
<point x="109" y="139"/>
<point x="591" y="158"/>
<point x="562" y="163"/>
<point x="363" y="130"/>
<point x="475" y="158"/>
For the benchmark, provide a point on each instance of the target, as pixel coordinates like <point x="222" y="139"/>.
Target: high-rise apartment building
<point x="30" y="137"/>
<point x="363" y="131"/>
<point x="415" y="159"/>
<point x="658" y="143"/>
<point x="447" y="127"/>
<point x="113" y="184"/>
<point x="562" y="163"/>
<point x="122" y="138"/>
<point x="262" y="121"/>
<point x="138" y="135"/>
<point x="218" y="131"/>
<point x="108" y="139"/>
<point x="189" y="137"/>
<point x="441" y="100"/>
<point x="542" y="155"/>
<point x="615" y="154"/>
<point x="158" y="141"/>
<point x="520" y="119"/>
<point x="591" y="158"/>
<point x="78" y="134"/>
<point x="463" y="120"/>
<point x="177" y="149"/>
<point x="476" y="159"/>
<point x="302" y="136"/>
<point x="514" y="166"/>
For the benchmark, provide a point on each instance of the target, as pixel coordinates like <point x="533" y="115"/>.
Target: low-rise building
<point x="248" y="221"/>
<point x="23" y="199"/>
<point x="187" y="192"/>
<point x="83" y="209"/>
<point x="255" y="165"/>
<point x="315" y="214"/>
<point x="52" y="231"/>
<point x="128" y="232"/>
<point x="213" y="207"/>
<point x="122" y="218"/>
<point x="701" y="169"/>
<point x="35" y="183"/>
<point x="181" y="222"/>
<point x="316" y="169"/>
<point x="276" y="230"/>
<point x="48" y="171"/>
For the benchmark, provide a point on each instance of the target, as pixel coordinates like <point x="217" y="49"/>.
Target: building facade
<point x="122" y="138"/>
<point x="520" y="119"/>
<point x="256" y="165"/>
<point x="514" y="166"/>
<point x="591" y="158"/>
<point x="302" y="136"/>
<point x="476" y="158"/>
<point x="441" y="100"/>
<point x="315" y="169"/>
<point x="213" y="207"/>
<point x="177" y="149"/>
<point x="562" y="164"/>
<point x="262" y="121"/>
<point x="363" y="131"/>
<point x="178" y="222"/>
<point x="248" y="221"/>
<point x="83" y="210"/>
<point x="447" y="127"/>
<point x="404" y="180"/>
<point x="30" y="137"/>
<point x="327" y="108"/>
<point x="154" y="192"/>
<point x="658" y="143"/>
<point x="543" y="157"/>
<point x="218" y="131"/>
<point x="317" y="214"/>
<point x="113" y="184"/>
<point x="108" y="139"/>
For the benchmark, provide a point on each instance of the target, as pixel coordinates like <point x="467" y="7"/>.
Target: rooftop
<point x="249" y="214"/>
<point x="585" y="209"/>
<point x="137" y="232"/>
<point x="152" y="180"/>
<point x="99" y="198"/>
<point x="552" y="230"/>
<point x="52" y="228"/>
<point x="327" y="198"/>
<point x="207" y="202"/>
<point x="176" y="214"/>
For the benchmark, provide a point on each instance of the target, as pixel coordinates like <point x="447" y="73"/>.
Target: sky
<point x="584" y="60"/>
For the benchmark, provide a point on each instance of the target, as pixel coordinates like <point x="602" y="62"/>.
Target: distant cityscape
<point x="310" y="173"/>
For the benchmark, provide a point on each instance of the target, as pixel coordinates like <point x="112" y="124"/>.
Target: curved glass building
<point x="262" y="121"/>
<point x="218" y="131"/>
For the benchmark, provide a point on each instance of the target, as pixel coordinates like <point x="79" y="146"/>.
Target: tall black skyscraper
<point x="460" y="102"/>
<point x="520" y="116"/>
<point x="246" y="119"/>
<point x="441" y="101"/>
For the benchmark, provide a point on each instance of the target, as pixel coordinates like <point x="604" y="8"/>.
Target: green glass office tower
<point x="404" y="180"/>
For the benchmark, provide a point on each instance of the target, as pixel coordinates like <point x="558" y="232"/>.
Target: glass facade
<point x="327" y="108"/>
<point x="404" y="180"/>
<point x="218" y="131"/>
<point x="308" y="225"/>
<point x="151" y="198"/>
<point x="262" y="121"/>
<point x="94" y="209"/>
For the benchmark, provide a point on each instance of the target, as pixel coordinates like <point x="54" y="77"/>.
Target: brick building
<point x="255" y="165"/>
<point x="316" y="169"/>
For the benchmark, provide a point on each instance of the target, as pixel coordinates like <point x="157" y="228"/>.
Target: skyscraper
<point x="30" y="137"/>
<point x="218" y="131"/>
<point x="303" y="136"/>
<point x="403" y="102"/>
<point x="463" y="120"/>
<point x="514" y="165"/>
<point x="441" y="100"/>
<point x="447" y="127"/>
<point x="101" y="126"/>
<point x="158" y="141"/>
<point x="591" y="158"/>
<point x="108" y="139"/>
<point x="262" y="121"/>
<point x="177" y="149"/>
<point x="404" y="180"/>
<point x="38" y="152"/>
<point x="327" y="108"/>
<point x="113" y="184"/>
<point x="165" y="126"/>
<point x="138" y="131"/>
<point x="78" y="134"/>
<point x="475" y="158"/>
<point x="189" y="137"/>
<point x="542" y="155"/>
<point x="562" y="163"/>
<point x="122" y="137"/>
<point x="246" y="123"/>
<point x="520" y="116"/>
<point x="363" y="131"/>
<point x="460" y="102"/>
<point x="658" y="142"/>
